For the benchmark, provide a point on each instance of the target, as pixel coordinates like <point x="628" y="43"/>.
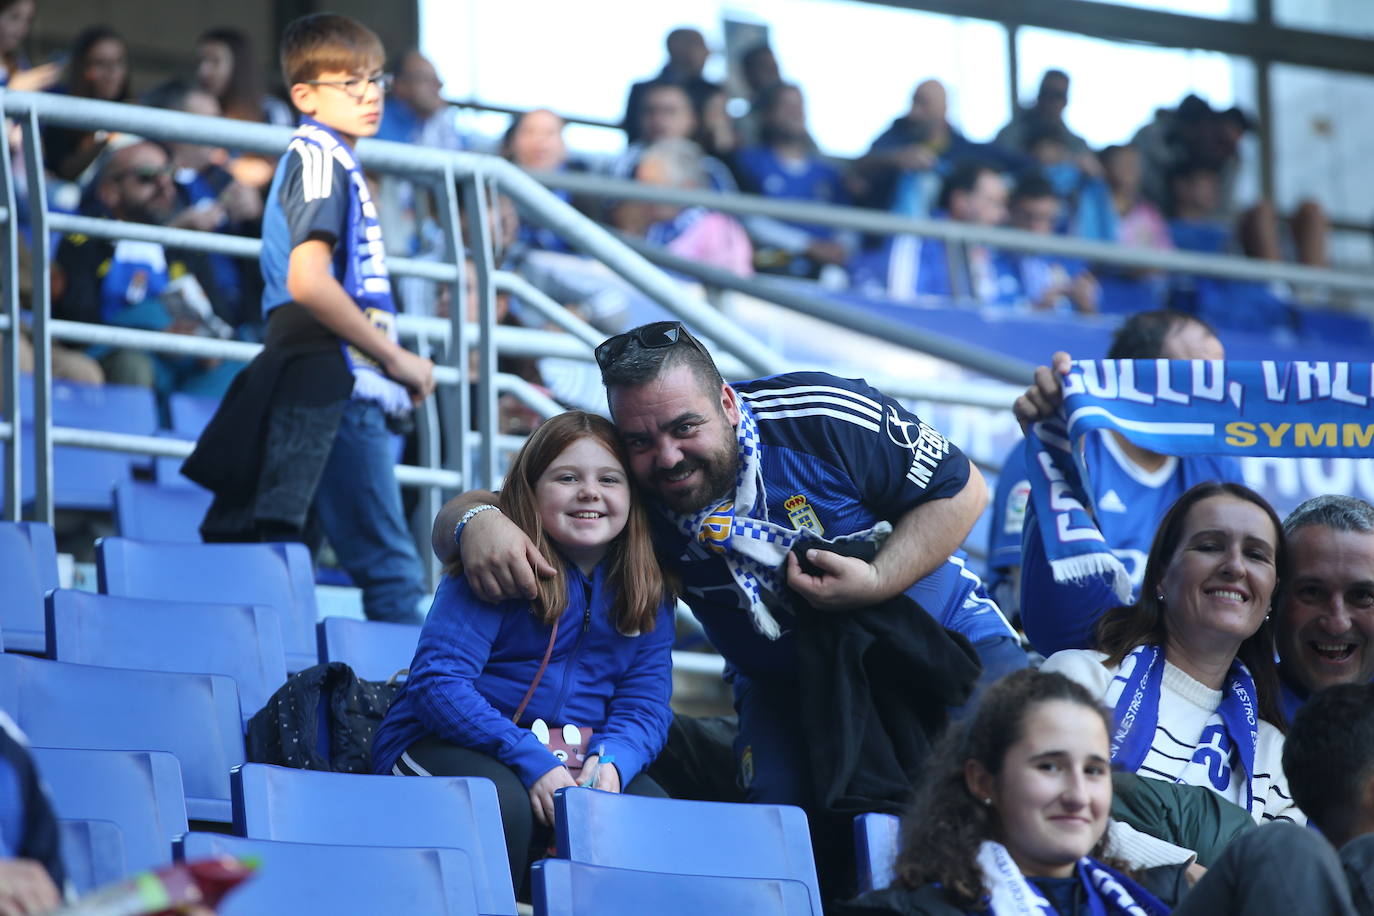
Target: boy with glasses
<point x="305" y="436"/>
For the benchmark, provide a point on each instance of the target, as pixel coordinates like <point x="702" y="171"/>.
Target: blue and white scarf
<point x="1134" y="697"/>
<point x="365" y="276"/>
<point x="754" y="547"/>
<point x="1109" y="892"/>
<point x="1180" y="407"/>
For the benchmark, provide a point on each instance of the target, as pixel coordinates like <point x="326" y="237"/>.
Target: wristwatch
<point x="467" y="517"/>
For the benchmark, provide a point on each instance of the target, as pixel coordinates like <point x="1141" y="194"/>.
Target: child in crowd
<point x="305" y="433"/>
<point x="524" y="692"/>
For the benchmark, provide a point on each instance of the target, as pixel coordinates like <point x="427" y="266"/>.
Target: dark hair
<point x="753" y="53"/>
<point x="942" y="833"/>
<point x="1142" y="335"/>
<point x="242" y="96"/>
<point x="1033" y="185"/>
<point x="1144" y="623"/>
<point x="13" y="59"/>
<point x="637" y="365"/>
<point x="171" y="95"/>
<point x="1328" y="756"/>
<point x="767" y="101"/>
<point x="517" y="119"/>
<point x="82" y="46"/>
<point x="1111" y="152"/>
<point x="640" y="585"/>
<point x="322" y="42"/>
<point x="963" y="177"/>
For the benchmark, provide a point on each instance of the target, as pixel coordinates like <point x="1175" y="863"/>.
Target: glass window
<point x="1212" y="9"/>
<point x="1341" y="17"/>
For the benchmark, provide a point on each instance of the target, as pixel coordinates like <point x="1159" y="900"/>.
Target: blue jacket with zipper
<point x="475" y="661"/>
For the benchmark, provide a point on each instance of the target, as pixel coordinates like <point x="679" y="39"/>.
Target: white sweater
<point x="1186" y="709"/>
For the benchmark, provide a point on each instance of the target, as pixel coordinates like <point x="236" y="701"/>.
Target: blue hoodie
<point x="475" y="661"/>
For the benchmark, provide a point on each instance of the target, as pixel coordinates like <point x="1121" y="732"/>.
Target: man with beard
<point x="739" y="474"/>
<point x="141" y="284"/>
<point x="1325" y="613"/>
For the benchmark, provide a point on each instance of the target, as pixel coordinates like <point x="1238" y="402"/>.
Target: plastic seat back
<point x="685" y="837"/>
<point x="296" y="878"/>
<point x="92" y="851"/>
<point x="373" y="649"/>
<point x="21" y="608"/>
<point x="190" y="413"/>
<point x="242" y="642"/>
<point x="311" y="806"/>
<point x="151" y="511"/>
<point x="194" y="717"/>
<point x="563" y="888"/>
<point x="272" y="575"/>
<point x="875" y="849"/>
<point x="85" y="478"/>
<point x="139" y="791"/>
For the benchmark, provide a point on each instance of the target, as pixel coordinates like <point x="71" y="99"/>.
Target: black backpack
<point x="322" y="718"/>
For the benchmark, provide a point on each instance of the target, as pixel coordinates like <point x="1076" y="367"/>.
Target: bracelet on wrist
<point x="467" y="517"/>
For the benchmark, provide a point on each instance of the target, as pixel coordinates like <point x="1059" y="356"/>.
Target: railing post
<point x="9" y="258"/>
<point x="427" y="448"/>
<point x="457" y="421"/>
<point x="480" y="250"/>
<point x="41" y="306"/>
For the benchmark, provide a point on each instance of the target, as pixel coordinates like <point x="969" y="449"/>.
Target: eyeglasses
<point x="356" y="88"/>
<point x="655" y="336"/>
<point x="146" y="174"/>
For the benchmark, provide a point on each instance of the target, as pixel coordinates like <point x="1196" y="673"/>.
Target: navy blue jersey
<point x="838" y="456"/>
<point x="315" y="194"/>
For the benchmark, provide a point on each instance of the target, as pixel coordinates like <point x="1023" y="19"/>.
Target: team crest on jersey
<point x="802" y="515"/>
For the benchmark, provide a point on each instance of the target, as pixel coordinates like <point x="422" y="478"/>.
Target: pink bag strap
<point x="538" y="675"/>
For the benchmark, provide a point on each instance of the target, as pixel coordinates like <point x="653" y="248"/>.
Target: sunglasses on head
<point x="655" y="336"/>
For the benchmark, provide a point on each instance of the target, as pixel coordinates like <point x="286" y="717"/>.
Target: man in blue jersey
<point x="1131" y="487"/>
<point x="786" y="165"/>
<point x="804" y="454"/>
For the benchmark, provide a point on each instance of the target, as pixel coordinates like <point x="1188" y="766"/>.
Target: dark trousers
<point x="523" y="841"/>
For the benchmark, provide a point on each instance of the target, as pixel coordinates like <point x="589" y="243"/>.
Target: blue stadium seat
<point x="21" y="607"/>
<point x="273" y="575"/>
<point x="85" y="478"/>
<point x="194" y="717"/>
<point x="190" y="413"/>
<point x="153" y="512"/>
<point x="296" y="878"/>
<point x="92" y="851"/>
<point x="686" y="837"/>
<point x="875" y="849"/>
<point x="138" y="791"/>
<point x="43" y="543"/>
<point x="239" y="641"/>
<point x="373" y="649"/>
<point x="563" y="888"/>
<point x="310" y="806"/>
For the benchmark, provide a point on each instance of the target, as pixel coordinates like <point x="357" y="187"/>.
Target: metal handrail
<point x="880" y="223"/>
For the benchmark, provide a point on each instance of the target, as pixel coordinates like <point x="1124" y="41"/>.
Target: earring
<point x="1159" y="596"/>
<point x="987" y="802"/>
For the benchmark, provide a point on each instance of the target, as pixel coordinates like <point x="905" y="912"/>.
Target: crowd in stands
<point x="811" y="523"/>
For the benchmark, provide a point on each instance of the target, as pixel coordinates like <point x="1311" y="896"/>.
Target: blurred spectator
<point x="1139" y="224"/>
<point x="687" y="54"/>
<point x="210" y="200"/>
<point x="31" y="870"/>
<point x="667" y="113"/>
<point x="1193" y="192"/>
<point x="98" y="69"/>
<point x="227" y="67"/>
<point x="717" y="134"/>
<point x="1046" y="114"/>
<point x="534" y="141"/>
<point x="785" y="165"/>
<point x="902" y="170"/>
<point x="693" y="232"/>
<point x="1192" y="134"/>
<point x="1047" y="282"/>
<point x="141" y="284"/>
<point x="415" y="111"/>
<point x="759" y="68"/>
<point x="909" y="268"/>
<point x="1085" y="202"/>
<point x="16" y="17"/>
